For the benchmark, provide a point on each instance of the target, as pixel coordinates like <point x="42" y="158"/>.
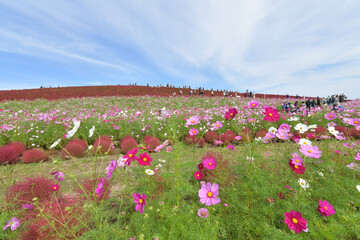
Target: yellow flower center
<point x="325" y="208"/>
<point x="297" y="161"/>
<point x="217" y="125"/>
<point x="192" y="121"/>
<point x="203" y="213"/>
<point x="302" y="183"/>
<point x="144" y="159"/>
<point x="296" y="166"/>
<point x="140" y="201"/>
<point x="198" y="175"/>
<point x="356" y="122"/>
<point x="330" y="116"/>
<point x="210" y="194"/>
<point x="209" y="163"/>
<point x="231" y="114"/>
<point x="270" y="114"/>
<point x="194" y="131"/>
<point x="253" y="104"/>
<point x="130" y="155"/>
<point x="294" y="220"/>
<point x="309" y="151"/>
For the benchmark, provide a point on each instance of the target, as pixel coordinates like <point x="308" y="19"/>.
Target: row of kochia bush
<point x="11" y="153"/>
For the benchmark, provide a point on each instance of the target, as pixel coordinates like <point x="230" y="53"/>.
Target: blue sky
<point x="269" y="46"/>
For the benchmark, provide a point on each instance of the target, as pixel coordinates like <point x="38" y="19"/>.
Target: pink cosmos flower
<point x="13" y="223"/>
<point x="27" y="206"/>
<point x="208" y="194"/>
<point x="295" y="221"/>
<point x="193" y="132"/>
<point x="111" y="168"/>
<point x="357" y="157"/>
<point x="169" y="149"/>
<point x="297" y="160"/>
<point x="272" y="114"/>
<point x="131" y="156"/>
<point x="230" y="114"/>
<point x="230" y="147"/>
<point x="217" y="125"/>
<point x="297" y="139"/>
<point x="203" y="213"/>
<point x="325" y="208"/>
<point x="330" y="116"/>
<point x="310" y="151"/>
<point x="352" y="165"/>
<point x="193" y="120"/>
<point x="218" y="142"/>
<point x="209" y="163"/>
<point x="99" y="188"/>
<point x="58" y="175"/>
<point x="284" y="127"/>
<point x="140" y="202"/>
<point x="355" y="121"/>
<point x="253" y="104"/>
<point x="144" y="159"/>
<point x="282" y="135"/>
<point x="238" y="138"/>
<point x="269" y="135"/>
<point x="197" y="175"/>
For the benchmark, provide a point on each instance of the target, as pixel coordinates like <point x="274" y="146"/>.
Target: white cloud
<point x="304" y="47"/>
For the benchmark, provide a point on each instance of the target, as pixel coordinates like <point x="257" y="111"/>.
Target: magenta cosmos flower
<point x="230" y="114"/>
<point x="99" y="187"/>
<point x="271" y="114"/>
<point x="55" y="187"/>
<point x="111" y="168"/>
<point x="192" y="121"/>
<point x="208" y="194"/>
<point x="203" y="213"/>
<point x="140" y="202"/>
<point x="238" y="138"/>
<point x="131" y="156"/>
<point x="209" y="163"/>
<point x="58" y="175"/>
<point x="230" y="147"/>
<point x="325" y="208"/>
<point x="144" y="159"/>
<point x="198" y="175"/>
<point x="253" y="104"/>
<point x="13" y="223"/>
<point x="299" y="168"/>
<point x="310" y="151"/>
<point x="295" y="221"/>
<point x="193" y="132"/>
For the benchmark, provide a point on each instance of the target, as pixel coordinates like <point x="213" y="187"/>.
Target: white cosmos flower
<point x="313" y="127"/>
<point x="333" y="131"/>
<point x="74" y="130"/>
<point x="91" y="131"/>
<point x="149" y="172"/>
<point x="293" y="119"/>
<point x="304" y="141"/>
<point x="303" y="183"/>
<point x="55" y="143"/>
<point x="272" y="130"/>
<point x="358" y="187"/>
<point x="302" y="128"/>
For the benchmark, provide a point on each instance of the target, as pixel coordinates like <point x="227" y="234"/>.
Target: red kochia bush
<point x="75" y="148"/>
<point x="89" y="186"/>
<point x="191" y="139"/>
<point x="152" y="143"/>
<point x="321" y="131"/>
<point x="230" y="134"/>
<point x="19" y="146"/>
<point x="34" y="155"/>
<point x="128" y="143"/>
<point x="344" y="130"/>
<point x="261" y="133"/>
<point x="201" y="142"/>
<point x="25" y="191"/>
<point x="355" y="133"/>
<point x="8" y="154"/>
<point x="211" y="136"/>
<point x="65" y="214"/>
<point x="246" y="134"/>
<point x="103" y="144"/>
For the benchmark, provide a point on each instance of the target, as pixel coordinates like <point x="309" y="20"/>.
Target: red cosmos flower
<point x="197" y="175"/>
<point x="55" y="187"/>
<point x="131" y="156"/>
<point x="299" y="169"/>
<point x="325" y="208"/>
<point x="295" y="221"/>
<point x="230" y="114"/>
<point x="144" y="159"/>
<point x="272" y="114"/>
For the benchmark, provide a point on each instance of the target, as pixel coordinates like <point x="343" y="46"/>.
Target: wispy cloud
<point x="304" y="47"/>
